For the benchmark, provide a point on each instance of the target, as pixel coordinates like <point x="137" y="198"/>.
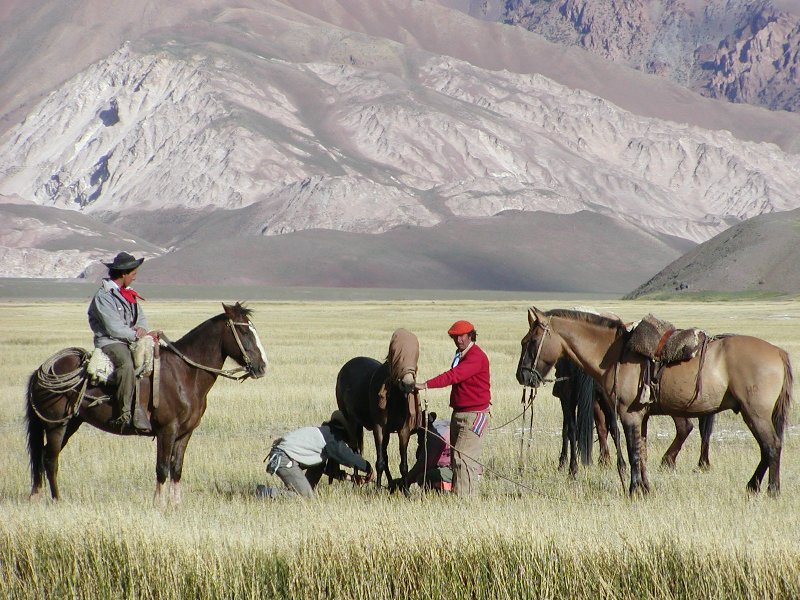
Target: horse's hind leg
<point x="770" y="444"/>
<point x="602" y="434"/>
<point x="683" y="427"/>
<point x="706" y="427"/>
<point x="56" y="438"/>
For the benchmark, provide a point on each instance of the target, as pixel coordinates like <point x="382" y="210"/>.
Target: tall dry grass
<point x="531" y="533"/>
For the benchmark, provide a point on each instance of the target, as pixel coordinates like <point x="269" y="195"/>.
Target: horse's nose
<point x="259" y="370"/>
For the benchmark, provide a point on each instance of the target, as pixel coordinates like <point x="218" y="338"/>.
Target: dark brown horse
<point x="741" y="373"/>
<point x="57" y="403"/>
<point x="381" y="397"/>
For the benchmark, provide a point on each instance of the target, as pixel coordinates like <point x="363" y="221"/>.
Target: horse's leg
<point x="55" y="439"/>
<point x="562" y="458"/>
<point x="380" y="453"/>
<point x="610" y="418"/>
<point x="403" y="436"/>
<point x="643" y="453"/>
<point x="706" y="427"/>
<point x="165" y="441"/>
<point x="176" y="468"/>
<point x="683" y="427"/>
<point x="770" y="445"/>
<point x="602" y="434"/>
<point x="631" y="424"/>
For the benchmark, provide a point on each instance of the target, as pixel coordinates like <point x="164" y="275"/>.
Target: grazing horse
<point x="381" y="397"/>
<point x="742" y="373"/>
<point x="60" y="399"/>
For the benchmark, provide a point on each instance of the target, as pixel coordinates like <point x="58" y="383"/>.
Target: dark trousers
<point x="124" y="377"/>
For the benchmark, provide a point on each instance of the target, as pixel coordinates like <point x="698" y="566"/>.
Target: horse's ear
<point x="229" y="310"/>
<point x="532" y="316"/>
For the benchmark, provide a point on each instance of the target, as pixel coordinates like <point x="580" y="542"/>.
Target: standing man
<point x="117" y="320"/>
<point x="470" y="398"/>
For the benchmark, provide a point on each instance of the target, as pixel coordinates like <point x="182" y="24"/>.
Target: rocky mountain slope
<point x="226" y="123"/>
<point x="759" y="255"/>
<point x="740" y="50"/>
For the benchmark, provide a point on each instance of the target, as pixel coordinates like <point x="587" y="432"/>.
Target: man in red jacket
<point x="470" y="397"/>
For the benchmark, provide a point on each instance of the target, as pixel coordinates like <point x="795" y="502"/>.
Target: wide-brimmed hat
<point x="460" y="328"/>
<point x="124" y="262"/>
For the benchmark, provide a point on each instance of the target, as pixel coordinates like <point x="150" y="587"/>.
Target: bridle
<point x="537" y="378"/>
<point x="228" y="373"/>
<point x="248" y="364"/>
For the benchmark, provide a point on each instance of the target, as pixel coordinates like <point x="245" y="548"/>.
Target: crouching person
<point x="301" y="457"/>
<point x="431" y="471"/>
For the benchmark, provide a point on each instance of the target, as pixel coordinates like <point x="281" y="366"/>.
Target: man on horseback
<point x="117" y="320"/>
<point x="470" y="398"/>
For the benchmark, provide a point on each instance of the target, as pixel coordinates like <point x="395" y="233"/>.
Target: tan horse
<point x="741" y="373"/>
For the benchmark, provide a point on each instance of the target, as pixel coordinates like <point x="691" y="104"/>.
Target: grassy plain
<point x="532" y="533"/>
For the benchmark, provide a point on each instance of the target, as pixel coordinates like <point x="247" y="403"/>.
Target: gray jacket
<point x="311" y="446"/>
<point x="112" y="318"/>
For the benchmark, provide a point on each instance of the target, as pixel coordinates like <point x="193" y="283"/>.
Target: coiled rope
<point x="60" y="384"/>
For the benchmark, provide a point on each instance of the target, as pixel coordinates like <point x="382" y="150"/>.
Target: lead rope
<point x="425" y="440"/>
<point x="516" y="483"/>
<point x="523" y="456"/>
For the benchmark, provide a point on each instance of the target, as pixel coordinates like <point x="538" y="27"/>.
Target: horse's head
<point x="243" y="343"/>
<point x="540" y="351"/>
<point x="402" y="358"/>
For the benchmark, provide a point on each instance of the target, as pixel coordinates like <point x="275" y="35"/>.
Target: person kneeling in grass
<point x="301" y="457"/>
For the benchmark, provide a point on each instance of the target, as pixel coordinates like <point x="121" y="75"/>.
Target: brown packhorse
<point x="382" y="398"/>
<point x="58" y="403"/>
<point x="741" y="373"/>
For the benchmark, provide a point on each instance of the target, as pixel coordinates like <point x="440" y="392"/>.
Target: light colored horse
<point x="742" y="373"/>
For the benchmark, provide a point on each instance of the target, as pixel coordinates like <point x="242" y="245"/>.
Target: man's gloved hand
<point x="370" y="476"/>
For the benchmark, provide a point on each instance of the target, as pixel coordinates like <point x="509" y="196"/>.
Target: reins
<point x="228" y="373"/>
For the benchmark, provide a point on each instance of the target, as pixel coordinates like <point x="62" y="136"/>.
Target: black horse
<point x="59" y="398"/>
<point x="381" y="397"/>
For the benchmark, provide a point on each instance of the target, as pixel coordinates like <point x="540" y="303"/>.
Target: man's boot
<point x="122" y="422"/>
<point x="140" y="421"/>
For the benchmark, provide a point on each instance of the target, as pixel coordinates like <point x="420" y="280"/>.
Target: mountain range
<point x="354" y="143"/>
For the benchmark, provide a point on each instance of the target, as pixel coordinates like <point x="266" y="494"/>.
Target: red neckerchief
<point x="130" y="294"/>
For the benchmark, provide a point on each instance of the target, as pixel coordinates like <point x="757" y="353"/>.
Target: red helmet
<point x="460" y="328"/>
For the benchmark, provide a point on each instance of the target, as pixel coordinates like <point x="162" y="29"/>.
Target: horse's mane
<point x="587" y="317"/>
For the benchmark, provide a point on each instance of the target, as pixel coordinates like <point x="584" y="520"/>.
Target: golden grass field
<point x="697" y="535"/>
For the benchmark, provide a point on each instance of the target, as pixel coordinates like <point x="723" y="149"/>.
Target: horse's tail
<point x="781" y="411"/>
<point x="585" y="424"/>
<point x="35" y="434"/>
